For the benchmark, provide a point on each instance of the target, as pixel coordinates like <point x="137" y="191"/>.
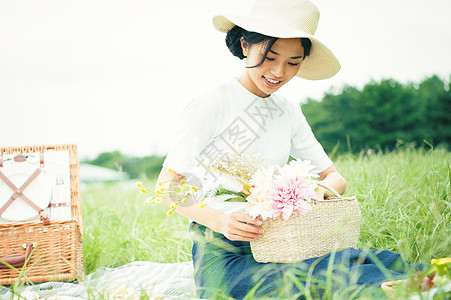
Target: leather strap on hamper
<point x="19" y="193"/>
<point x="17" y="261"/>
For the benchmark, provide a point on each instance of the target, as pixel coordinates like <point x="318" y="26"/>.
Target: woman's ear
<point x="244" y="46"/>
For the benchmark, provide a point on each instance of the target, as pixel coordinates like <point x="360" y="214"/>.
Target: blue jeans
<point x="224" y="268"/>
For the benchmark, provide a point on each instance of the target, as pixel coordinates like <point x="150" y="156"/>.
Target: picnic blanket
<point x="130" y="281"/>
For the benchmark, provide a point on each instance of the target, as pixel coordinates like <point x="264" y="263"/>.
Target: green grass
<point x="405" y="201"/>
<point x="119" y="227"/>
<point x="404" y="197"/>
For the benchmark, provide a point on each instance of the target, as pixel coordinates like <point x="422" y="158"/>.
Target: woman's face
<point x="281" y="64"/>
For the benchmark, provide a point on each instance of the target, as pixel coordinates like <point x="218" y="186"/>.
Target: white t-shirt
<point x="232" y="119"/>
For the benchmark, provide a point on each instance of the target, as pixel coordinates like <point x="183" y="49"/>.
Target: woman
<point x="277" y="40"/>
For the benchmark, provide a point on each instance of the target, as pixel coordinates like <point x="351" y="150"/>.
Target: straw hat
<point x="287" y="19"/>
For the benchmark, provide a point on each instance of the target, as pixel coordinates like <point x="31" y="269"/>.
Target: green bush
<point x="382" y="114"/>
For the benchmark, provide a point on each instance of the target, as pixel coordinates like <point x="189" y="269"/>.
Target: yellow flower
<point x="202" y="206"/>
<point x="173" y="205"/>
<point x="149" y="199"/>
<point x="160" y="183"/>
<point x="158" y="192"/>
<point x="162" y="189"/>
<point x="441" y="261"/>
<point x="184" y="201"/>
<point x="170" y="212"/>
<point x="442" y="266"/>
<point x="139" y="184"/>
<point x="178" y="197"/>
<point x="170" y="170"/>
<point x="170" y="184"/>
<point x="195" y="188"/>
<point x="157" y="200"/>
<point x="183" y="182"/>
<point x="144" y="191"/>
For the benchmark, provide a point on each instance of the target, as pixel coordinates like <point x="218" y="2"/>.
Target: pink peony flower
<point x="273" y="195"/>
<point x="290" y="194"/>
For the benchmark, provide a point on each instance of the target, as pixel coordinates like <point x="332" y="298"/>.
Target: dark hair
<point x="233" y="42"/>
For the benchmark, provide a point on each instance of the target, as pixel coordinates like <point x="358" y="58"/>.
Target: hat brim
<point x="321" y="62"/>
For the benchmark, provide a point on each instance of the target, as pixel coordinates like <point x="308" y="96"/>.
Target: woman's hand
<point x="320" y="193"/>
<point x="331" y="177"/>
<point x="234" y="227"/>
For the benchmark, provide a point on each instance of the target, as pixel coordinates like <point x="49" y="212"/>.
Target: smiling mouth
<point x="271" y="82"/>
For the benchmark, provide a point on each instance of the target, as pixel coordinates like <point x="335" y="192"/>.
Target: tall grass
<point x="405" y="201"/>
<point x="404" y="197"/>
<point x="119" y="227"/>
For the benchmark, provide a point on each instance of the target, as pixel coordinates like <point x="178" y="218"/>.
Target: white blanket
<point x="155" y="280"/>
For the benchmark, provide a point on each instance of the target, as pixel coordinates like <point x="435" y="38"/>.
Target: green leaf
<point x="237" y="199"/>
<point x="240" y="197"/>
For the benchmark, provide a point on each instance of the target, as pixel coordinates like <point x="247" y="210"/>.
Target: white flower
<point x="259" y="207"/>
<point x="262" y="178"/>
<point x="298" y="168"/>
<point x="258" y="202"/>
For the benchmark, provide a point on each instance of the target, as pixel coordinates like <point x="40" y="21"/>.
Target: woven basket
<point x="331" y="225"/>
<point x="52" y="252"/>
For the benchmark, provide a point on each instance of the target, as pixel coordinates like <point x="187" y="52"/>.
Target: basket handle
<point x="329" y="188"/>
<point x="17" y="261"/>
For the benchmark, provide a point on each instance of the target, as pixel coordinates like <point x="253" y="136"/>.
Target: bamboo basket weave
<point x="331" y="225"/>
<point x="56" y="249"/>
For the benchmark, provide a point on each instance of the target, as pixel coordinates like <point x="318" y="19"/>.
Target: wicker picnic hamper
<point x="333" y="224"/>
<point x="42" y="250"/>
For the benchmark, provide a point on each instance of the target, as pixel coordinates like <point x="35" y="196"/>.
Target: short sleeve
<point x="304" y="145"/>
<point x="196" y="128"/>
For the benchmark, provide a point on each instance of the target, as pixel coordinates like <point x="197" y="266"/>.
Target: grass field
<point x="404" y="197"/>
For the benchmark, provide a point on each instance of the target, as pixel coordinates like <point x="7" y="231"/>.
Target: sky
<point x="115" y="75"/>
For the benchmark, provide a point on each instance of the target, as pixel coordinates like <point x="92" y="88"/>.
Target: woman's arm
<point x="332" y="178"/>
<point x="231" y="226"/>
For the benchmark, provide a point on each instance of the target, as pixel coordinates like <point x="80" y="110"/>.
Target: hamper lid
<point x="39" y="191"/>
